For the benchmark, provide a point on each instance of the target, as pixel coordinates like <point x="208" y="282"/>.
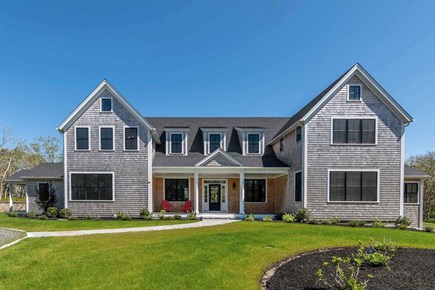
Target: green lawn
<point x="231" y="256"/>
<point x="35" y="225"/>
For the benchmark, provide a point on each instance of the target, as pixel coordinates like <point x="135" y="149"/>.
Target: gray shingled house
<point x="342" y="155"/>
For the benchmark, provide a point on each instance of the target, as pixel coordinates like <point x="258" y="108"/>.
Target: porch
<point x="222" y="192"/>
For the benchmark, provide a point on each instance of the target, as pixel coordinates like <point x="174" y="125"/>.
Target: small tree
<point x="46" y="198"/>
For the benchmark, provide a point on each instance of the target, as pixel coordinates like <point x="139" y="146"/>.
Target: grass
<point x="14" y="199"/>
<point x="231" y="256"/>
<point x="35" y="225"/>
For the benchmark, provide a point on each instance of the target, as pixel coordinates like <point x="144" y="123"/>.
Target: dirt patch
<point x="410" y="269"/>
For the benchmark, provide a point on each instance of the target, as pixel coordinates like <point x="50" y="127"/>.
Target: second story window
<point x="354" y="131"/>
<point x="298" y="134"/>
<point x="254" y="143"/>
<point x="215" y="142"/>
<point x="106" y="138"/>
<point x="82" y="138"/>
<point x="130" y="138"/>
<point x="281" y="144"/>
<point x="176" y="141"/>
<point x="354" y="93"/>
<point x="106" y="104"/>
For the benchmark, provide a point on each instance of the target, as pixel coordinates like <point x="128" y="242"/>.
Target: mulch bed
<point x="410" y="269"/>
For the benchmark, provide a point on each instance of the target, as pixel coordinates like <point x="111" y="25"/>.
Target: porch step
<point x="227" y="216"/>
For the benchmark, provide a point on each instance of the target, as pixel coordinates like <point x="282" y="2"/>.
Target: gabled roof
<point x="220" y="153"/>
<point x="412" y="172"/>
<point x="104" y="85"/>
<point x="40" y="171"/>
<point x="309" y="110"/>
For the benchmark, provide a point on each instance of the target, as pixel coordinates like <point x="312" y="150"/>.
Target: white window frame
<point x="101" y="104"/>
<point x="246" y="143"/>
<point x="265" y="189"/>
<point x="205" y="183"/>
<point x="360" y="92"/>
<point x="91" y="172"/>
<point x="183" y="133"/>
<point x="176" y="177"/>
<point x="99" y="138"/>
<point x="302" y="186"/>
<point x="354" y="170"/>
<point x="75" y="138"/>
<point x="206" y="137"/>
<point x="418" y="192"/>
<point x="123" y="138"/>
<point x="359" y="118"/>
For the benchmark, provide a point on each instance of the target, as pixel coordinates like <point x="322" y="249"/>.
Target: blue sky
<point x="210" y="58"/>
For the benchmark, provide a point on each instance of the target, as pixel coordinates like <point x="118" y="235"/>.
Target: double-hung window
<point x="411" y="192"/>
<point x="214" y="142"/>
<point x="354" y="131"/>
<point x="131" y="138"/>
<point x="82" y="138"/>
<point x="106" y="138"/>
<point x="176" y="143"/>
<point x="353" y="186"/>
<point x="354" y="93"/>
<point x="253" y="143"/>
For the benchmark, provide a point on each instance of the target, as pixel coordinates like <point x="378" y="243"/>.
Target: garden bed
<point x="410" y="269"/>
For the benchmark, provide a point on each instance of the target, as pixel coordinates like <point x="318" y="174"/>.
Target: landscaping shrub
<point x="402" y="222"/>
<point x="43" y="217"/>
<point x="334" y="221"/>
<point x="378" y="224"/>
<point x="289" y="218"/>
<point x="357" y="223"/>
<point x="65" y="213"/>
<point x="303" y="215"/>
<point x="51" y="212"/>
<point x="177" y="217"/>
<point x="429" y="228"/>
<point x="12" y="213"/>
<point x="377" y="253"/>
<point x="169" y="217"/>
<point x="162" y="214"/>
<point x="192" y="216"/>
<point x="73" y="218"/>
<point x="30" y="215"/>
<point x="267" y="219"/>
<point x="145" y="214"/>
<point x="279" y="216"/>
<point x="314" y="221"/>
<point x="44" y="201"/>
<point x="120" y="215"/>
<point x="89" y="216"/>
<point x="250" y="218"/>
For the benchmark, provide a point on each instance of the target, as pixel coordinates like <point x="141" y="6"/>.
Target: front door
<point x="214" y="191"/>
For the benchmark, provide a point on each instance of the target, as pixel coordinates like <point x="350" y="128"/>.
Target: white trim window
<point x="353" y="185"/>
<point x="176" y="142"/>
<point x="255" y="190"/>
<point x="253" y="143"/>
<point x="354" y="131"/>
<point x="354" y="92"/>
<point x="131" y="138"/>
<point x="82" y="138"/>
<point x="411" y="193"/>
<point x="107" y="138"/>
<point x="106" y="104"/>
<point x="92" y="186"/>
<point x="213" y="141"/>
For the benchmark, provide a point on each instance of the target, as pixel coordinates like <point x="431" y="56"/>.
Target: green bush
<point x="89" y="216"/>
<point x="335" y="221"/>
<point x="162" y="214"/>
<point x="402" y="222"/>
<point x="177" y="217"/>
<point x="429" y="228"/>
<point x="377" y="253"/>
<point x="65" y="213"/>
<point x="267" y="219"/>
<point x="303" y="215"/>
<point x="13" y="213"/>
<point x="192" y="216"/>
<point x="357" y="223"/>
<point x="73" y="218"/>
<point x="146" y="214"/>
<point x="51" y="212"/>
<point x="30" y="215"/>
<point x="120" y="215"/>
<point x="43" y="217"/>
<point x="250" y="218"/>
<point x="289" y="218"/>
<point x="378" y="224"/>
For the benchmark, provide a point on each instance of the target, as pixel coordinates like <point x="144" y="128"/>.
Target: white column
<point x="421" y="200"/>
<point x="242" y="192"/>
<point x="10" y="197"/>
<point x="196" y="194"/>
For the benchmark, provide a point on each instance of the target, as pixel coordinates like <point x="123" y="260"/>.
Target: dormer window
<point x="253" y="143"/>
<point x="106" y="104"/>
<point x="214" y="139"/>
<point x="215" y="142"/>
<point x="354" y="92"/>
<point x="176" y="142"/>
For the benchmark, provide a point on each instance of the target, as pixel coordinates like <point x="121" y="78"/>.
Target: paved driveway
<point x="8" y="236"/>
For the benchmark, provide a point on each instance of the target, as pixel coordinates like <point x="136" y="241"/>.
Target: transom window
<point x="298" y="134"/>
<point x="106" y="138"/>
<point x="82" y="138"/>
<point x="176" y="189"/>
<point x="255" y="190"/>
<point x="130" y="138"/>
<point x="354" y="131"/>
<point x="298" y="186"/>
<point x="106" y="104"/>
<point x="253" y="143"/>
<point x="354" y="93"/>
<point x="353" y="186"/>
<point x="411" y="193"/>
<point x="92" y="186"/>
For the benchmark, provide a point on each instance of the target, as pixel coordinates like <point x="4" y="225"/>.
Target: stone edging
<point x="270" y="271"/>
